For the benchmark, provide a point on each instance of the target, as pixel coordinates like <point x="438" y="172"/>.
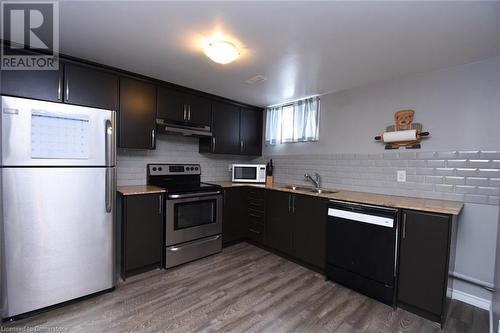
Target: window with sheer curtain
<point x="295" y="122"/>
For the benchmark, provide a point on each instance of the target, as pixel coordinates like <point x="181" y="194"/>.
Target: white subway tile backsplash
<point x="469" y="172"/>
<point x="436" y="163"/>
<point x="465" y="189"/>
<point x="131" y="164"/>
<point x="470" y="176"/>
<point x="495" y="182"/>
<point x="490" y="173"/>
<point x="490" y="155"/>
<point x="434" y="179"/>
<point x="478" y="181"/>
<point x="426" y="155"/>
<point x="416" y="163"/>
<point x="488" y="190"/>
<point x="447" y="155"/>
<point x="425" y="171"/>
<point x="408" y="155"/>
<point x="444" y="171"/>
<point x="456" y="163"/>
<point x="494" y="200"/>
<point x="444" y="188"/>
<point x="479" y="164"/>
<point x="454" y="180"/>
<point x="471" y="154"/>
<point x="451" y="175"/>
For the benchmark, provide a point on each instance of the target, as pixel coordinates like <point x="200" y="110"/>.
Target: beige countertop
<point x="427" y="205"/>
<point x="139" y="189"/>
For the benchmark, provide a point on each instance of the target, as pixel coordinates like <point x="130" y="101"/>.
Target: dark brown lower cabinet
<point x="234" y="220"/>
<point x="309" y="229"/>
<point x="424" y="263"/>
<point x="279" y="221"/>
<point x="140" y="233"/>
<point x="256" y="215"/>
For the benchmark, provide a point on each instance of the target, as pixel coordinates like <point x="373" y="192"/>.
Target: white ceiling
<point x="303" y="48"/>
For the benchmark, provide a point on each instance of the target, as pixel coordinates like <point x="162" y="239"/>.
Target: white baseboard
<point x="471" y="299"/>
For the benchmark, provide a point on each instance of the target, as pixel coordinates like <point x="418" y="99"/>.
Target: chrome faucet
<point x="316" y="180"/>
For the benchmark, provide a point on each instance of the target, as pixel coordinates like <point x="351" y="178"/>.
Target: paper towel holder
<point x="404" y="132"/>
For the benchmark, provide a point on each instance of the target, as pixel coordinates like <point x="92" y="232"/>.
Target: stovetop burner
<point x="178" y="178"/>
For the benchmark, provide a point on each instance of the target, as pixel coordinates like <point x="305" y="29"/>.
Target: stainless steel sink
<point x="323" y="191"/>
<point x="309" y="189"/>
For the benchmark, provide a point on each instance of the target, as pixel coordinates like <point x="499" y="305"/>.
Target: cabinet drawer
<point x="256" y="231"/>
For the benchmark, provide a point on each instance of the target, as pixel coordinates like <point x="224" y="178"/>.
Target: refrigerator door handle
<point x="109" y="190"/>
<point x="109" y="143"/>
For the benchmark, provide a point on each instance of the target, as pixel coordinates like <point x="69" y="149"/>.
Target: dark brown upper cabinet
<point x="225" y="129"/>
<point x="199" y="109"/>
<point x="235" y="131"/>
<point x="137" y="114"/>
<point x="250" y="132"/>
<point x="183" y="107"/>
<point x="45" y="85"/>
<point x="90" y="87"/>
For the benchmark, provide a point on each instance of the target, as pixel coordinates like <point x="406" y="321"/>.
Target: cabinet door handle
<point x="189" y="112"/>
<point x="241" y="146"/>
<point x="152" y="138"/>
<point x="161" y="204"/>
<point x="289" y="203"/>
<point x="293" y="203"/>
<point x="213" y="144"/>
<point x="59" y="89"/>
<point x="254" y="231"/>
<point x="185" y="112"/>
<point x="67" y="90"/>
<point x="404" y="225"/>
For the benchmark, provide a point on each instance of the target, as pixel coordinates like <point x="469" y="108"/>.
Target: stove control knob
<point x="192" y="168"/>
<point x="154" y="168"/>
<point x="196" y="168"/>
<point x="159" y="169"/>
<point x="187" y="168"/>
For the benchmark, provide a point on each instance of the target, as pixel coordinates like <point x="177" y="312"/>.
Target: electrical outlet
<point x="401" y="175"/>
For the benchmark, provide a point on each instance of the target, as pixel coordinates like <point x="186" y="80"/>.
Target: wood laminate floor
<point x="242" y="289"/>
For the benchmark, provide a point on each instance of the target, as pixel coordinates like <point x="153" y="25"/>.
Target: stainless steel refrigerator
<point x="58" y="183"/>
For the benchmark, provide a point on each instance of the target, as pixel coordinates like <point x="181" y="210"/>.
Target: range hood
<point x="165" y="126"/>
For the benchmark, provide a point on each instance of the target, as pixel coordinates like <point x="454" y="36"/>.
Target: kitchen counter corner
<point x="139" y="189"/>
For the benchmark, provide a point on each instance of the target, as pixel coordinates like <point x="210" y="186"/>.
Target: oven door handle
<point x="193" y="243"/>
<point x="193" y="195"/>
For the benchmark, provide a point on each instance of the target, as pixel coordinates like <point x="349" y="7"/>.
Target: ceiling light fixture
<point x="221" y="52"/>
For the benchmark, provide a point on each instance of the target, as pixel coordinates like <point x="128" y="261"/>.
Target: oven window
<point x="245" y="173"/>
<point x="192" y="214"/>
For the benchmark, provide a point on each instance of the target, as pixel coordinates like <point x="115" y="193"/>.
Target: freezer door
<point x="38" y="133"/>
<point x="58" y="235"/>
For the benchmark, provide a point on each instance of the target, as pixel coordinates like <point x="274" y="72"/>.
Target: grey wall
<point x="460" y="106"/>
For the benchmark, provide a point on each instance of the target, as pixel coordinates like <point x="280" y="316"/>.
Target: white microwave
<point x="249" y="173"/>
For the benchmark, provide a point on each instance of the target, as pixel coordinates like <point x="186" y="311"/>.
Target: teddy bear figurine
<point x="403" y="121"/>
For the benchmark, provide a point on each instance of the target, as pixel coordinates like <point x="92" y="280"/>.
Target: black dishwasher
<point x="361" y="248"/>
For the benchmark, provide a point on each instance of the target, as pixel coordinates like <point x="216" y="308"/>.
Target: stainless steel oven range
<point x="193" y="212"/>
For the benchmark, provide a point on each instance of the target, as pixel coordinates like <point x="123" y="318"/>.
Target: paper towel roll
<point x="400" y="136"/>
